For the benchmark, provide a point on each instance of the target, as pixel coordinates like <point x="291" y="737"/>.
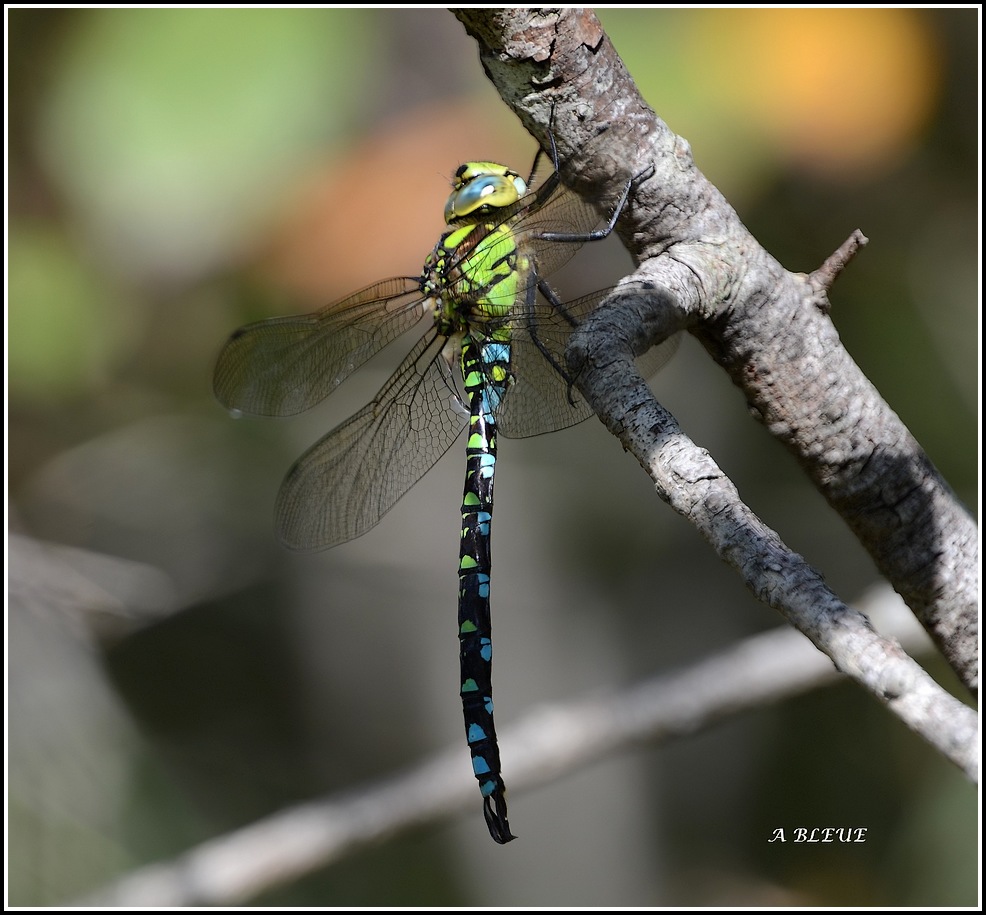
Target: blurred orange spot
<point x="377" y="211"/>
<point x="839" y="90"/>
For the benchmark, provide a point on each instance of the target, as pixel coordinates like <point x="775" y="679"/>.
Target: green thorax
<point x="477" y="271"/>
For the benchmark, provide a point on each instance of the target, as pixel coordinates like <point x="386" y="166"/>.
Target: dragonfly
<point x="490" y="359"/>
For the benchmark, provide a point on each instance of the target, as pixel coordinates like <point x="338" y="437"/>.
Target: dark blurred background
<point x="173" y="673"/>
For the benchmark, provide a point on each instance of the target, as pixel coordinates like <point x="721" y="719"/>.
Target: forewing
<point x="283" y="366"/>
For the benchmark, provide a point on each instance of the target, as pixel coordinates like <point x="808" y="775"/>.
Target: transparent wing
<point x="563" y="212"/>
<point x="550" y="208"/>
<point x="345" y="483"/>
<point x="542" y="397"/>
<point x="283" y="366"/>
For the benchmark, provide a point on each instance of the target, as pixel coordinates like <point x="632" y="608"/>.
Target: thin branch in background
<point x="550" y="742"/>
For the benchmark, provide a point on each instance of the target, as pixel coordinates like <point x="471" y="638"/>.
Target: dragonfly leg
<point x="600" y="234"/>
<point x="553" y="180"/>
<point x="557" y="304"/>
<point x="531" y="328"/>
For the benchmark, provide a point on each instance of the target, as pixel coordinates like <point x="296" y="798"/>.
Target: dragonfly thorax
<point x="474" y="275"/>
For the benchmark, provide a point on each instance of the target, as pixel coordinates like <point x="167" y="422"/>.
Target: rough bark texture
<point x="768" y="328"/>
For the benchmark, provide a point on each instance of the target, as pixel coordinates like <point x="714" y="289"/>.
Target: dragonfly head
<point x="480" y="187"/>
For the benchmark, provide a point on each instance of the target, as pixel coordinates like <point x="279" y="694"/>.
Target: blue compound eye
<point x="479" y="185"/>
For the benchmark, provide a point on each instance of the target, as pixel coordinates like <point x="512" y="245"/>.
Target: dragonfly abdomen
<point x="485" y="374"/>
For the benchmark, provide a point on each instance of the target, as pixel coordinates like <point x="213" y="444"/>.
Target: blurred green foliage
<point x="49" y="285"/>
<point x="159" y="121"/>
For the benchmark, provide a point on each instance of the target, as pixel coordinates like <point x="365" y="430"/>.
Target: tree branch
<point x="602" y="351"/>
<point x="768" y="328"/>
<point x="546" y="744"/>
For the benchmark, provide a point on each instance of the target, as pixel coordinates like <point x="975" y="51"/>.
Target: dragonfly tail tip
<point x="495" y="811"/>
